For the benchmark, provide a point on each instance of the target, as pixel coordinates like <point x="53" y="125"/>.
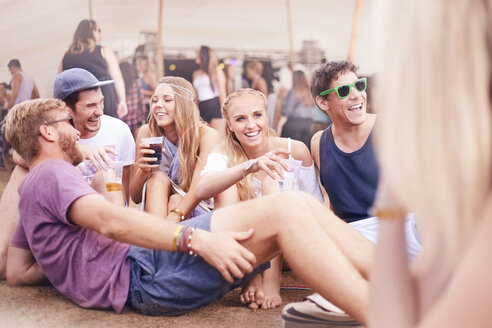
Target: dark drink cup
<point x="156" y="145"/>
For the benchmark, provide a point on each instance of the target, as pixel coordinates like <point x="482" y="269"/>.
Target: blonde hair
<point x="187" y="122"/>
<point x="433" y="133"/>
<point x="23" y="121"/>
<point x="231" y="145"/>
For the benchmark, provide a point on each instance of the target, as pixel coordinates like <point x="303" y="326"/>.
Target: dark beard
<point x="72" y="152"/>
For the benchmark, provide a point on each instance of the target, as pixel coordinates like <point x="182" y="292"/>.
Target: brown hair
<point x="325" y="74"/>
<point x="83" y="38"/>
<point x="23" y="121"/>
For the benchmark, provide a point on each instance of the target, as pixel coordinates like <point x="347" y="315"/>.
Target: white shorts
<point x="369" y="228"/>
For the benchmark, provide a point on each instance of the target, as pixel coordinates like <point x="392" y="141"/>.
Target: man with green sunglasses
<point x="343" y="153"/>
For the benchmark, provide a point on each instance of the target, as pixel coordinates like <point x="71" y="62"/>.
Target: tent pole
<point x="289" y="29"/>
<point x="160" y="57"/>
<point x="355" y="29"/>
<point x="90" y="10"/>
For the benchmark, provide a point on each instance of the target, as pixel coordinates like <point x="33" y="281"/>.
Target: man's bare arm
<point x="22" y="268"/>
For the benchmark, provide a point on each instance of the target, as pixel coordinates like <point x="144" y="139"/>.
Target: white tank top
<point x="203" y="89"/>
<point x="25" y="88"/>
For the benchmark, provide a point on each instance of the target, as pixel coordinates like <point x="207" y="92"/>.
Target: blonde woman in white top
<point x="245" y="166"/>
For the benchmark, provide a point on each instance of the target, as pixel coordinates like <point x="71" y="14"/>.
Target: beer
<point x="113" y="186"/>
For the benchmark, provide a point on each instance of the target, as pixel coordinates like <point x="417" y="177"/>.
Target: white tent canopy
<point x="39" y="32"/>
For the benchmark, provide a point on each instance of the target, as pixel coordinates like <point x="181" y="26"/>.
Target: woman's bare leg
<point x="286" y="223"/>
<point x="157" y="194"/>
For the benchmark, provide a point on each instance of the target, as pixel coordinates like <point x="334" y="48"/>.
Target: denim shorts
<point x="173" y="283"/>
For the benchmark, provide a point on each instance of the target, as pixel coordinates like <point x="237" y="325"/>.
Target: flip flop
<point x="308" y="314"/>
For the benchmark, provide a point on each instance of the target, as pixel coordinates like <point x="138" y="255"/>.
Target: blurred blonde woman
<point x="435" y="141"/>
<point x="246" y="166"/>
<point x="210" y="84"/>
<point x="186" y="143"/>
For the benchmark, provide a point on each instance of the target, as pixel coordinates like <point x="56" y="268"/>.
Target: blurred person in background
<point x="297" y="111"/>
<point x="147" y="78"/>
<point x="22" y="85"/>
<point x="254" y="71"/>
<point x="86" y="52"/>
<point x="209" y="82"/>
<point x="134" y="98"/>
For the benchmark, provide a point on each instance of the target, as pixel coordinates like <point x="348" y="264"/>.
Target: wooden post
<point x="289" y="29"/>
<point x="160" y="57"/>
<point x="90" y="10"/>
<point x="355" y="29"/>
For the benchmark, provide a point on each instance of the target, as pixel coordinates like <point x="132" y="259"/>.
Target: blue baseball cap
<point x="74" y="80"/>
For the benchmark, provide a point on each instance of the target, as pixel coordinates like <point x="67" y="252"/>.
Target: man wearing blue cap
<point x="81" y="91"/>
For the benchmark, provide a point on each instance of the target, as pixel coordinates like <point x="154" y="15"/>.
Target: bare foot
<point x="271" y="289"/>
<point x="252" y="293"/>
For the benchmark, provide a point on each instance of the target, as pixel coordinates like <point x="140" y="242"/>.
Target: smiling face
<point x="349" y="111"/>
<point x="88" y="111"/>
<point x="163" y="105"/>
<point x="247" y="119"/>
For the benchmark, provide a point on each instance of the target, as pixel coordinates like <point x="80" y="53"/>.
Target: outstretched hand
<point x="222" y="250"/>
<point x="98" y="155"/>
<point x="272" y="163"/>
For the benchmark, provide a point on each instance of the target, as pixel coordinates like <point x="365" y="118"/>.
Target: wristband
<point x="177" y="232"/>
<point x="390" y="214"/>
<point x="179" y="212"/>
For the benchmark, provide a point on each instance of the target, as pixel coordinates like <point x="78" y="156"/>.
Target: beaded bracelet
<point x="390" y="214"/>
<point x="177" y="233"/>
<point x="185" y="242"/>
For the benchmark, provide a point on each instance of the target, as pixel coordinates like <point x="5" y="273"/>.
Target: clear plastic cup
<point x="289" y="182"/>
<point x="113" y="176"/>
<point x="155" y="144"/>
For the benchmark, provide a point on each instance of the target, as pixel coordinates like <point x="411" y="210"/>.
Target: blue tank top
<point x="350" y="179"/>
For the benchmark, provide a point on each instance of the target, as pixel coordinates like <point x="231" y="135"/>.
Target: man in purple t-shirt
<point x="80" y="242"/>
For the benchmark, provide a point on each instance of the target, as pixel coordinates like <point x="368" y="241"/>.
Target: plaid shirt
<point x="136" y="106"/>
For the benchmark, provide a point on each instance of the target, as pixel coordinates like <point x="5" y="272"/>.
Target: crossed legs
<point x="324" y="251"/>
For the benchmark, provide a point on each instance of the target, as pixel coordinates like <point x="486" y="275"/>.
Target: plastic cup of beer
<point x="155" y="144"/>
<point x="113" y="176"/>
<point x="289" y="182"/>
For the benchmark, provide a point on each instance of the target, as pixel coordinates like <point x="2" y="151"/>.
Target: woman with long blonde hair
<point x="246" y="166"/>
<point x="187" y="141"/>
<point x="434" y="138"/>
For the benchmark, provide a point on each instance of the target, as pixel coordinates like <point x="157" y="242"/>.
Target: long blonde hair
<point x="231" y="145"/>
<point x="187" y="121"/>
<point x="433" y="133"/>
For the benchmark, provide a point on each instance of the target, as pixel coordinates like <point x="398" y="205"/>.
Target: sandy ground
<point x="43" y="306"/>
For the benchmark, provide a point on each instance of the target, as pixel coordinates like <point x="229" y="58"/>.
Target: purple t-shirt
<point x="91" y="270"/>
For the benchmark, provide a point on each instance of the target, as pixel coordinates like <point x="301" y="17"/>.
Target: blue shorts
<point x="173" y="283"/>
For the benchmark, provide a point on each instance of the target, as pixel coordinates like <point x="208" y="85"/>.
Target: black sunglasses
<point x="69" y="119"/>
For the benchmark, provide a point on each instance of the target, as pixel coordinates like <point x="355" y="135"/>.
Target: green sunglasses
<point x="344" y="90"/>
